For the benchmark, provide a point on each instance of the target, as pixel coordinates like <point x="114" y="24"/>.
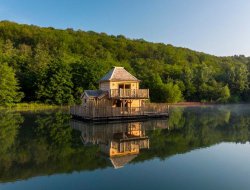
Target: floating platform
<point x="123" y="117"/>
<point x="118" y="113"/>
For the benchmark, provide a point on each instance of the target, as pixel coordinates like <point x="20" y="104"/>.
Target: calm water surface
<point x="196" y="148"/>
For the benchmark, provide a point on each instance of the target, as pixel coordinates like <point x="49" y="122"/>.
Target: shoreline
<point x="42" y="106"/>
<point x="193" y="104"/>
<point x="32" y="107"/>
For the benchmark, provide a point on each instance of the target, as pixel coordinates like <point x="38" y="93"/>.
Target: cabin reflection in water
<point x="121" y="142"/>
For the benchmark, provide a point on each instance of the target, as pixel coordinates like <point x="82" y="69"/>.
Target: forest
<point x="55" y="66"/>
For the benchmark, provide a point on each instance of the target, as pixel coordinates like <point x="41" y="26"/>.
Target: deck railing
<point x="117" y="111"/>
<point x="129" y="93"/>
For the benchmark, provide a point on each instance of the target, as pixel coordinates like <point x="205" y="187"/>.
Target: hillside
<point x="55" y="66"/>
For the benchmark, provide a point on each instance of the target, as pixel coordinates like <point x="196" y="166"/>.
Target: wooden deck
<point x="118" y="113"/>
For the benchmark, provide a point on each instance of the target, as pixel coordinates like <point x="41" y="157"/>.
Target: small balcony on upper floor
<point x="129" y="93"/>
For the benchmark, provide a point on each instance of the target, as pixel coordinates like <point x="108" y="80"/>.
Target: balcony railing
<point x="129" y="93"/>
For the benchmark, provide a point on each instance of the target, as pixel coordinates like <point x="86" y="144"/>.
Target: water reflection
<point x="42" y="143"/>
<point x="121" y="142"/>
<point x="47" y="143"/>
<point x="9" y="124"/>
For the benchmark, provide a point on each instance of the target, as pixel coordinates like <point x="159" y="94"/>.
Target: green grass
<point x="30" y="107"/>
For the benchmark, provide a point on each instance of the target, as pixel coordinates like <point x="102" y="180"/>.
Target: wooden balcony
<point x="129" y="93"/>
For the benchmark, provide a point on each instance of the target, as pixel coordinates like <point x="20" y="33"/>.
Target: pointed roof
<point x="118" y="74"/>
<point x="119" y="162"/>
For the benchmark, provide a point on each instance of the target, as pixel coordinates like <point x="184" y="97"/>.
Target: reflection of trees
<point x="9" y="125"/>
<point x="200" y="127"/>
<point x="176" y="120"/>
<point x="46" y="144"/>
<point x="55" y="128"/>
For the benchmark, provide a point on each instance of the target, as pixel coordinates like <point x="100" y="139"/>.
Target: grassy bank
<point x="30" y="107"/>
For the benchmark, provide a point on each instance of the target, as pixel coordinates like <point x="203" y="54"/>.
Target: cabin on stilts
<point x="118" y="97"/>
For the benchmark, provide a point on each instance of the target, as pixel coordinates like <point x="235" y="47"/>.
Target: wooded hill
<point x="55" y="66"/>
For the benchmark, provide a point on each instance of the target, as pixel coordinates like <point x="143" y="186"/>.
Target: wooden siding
<point x="105" y="85"/>
<point x="115" y="85"/>
<point x="135" y="103"/>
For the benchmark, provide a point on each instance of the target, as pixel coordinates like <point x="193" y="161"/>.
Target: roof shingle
<point x="118" y="74"/>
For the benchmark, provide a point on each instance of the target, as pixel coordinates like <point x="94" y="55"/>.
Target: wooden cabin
<point x="120" y="142"/>
<point x="119" y="95"/>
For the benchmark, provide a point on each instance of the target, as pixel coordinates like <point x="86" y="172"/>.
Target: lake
<point x="195" y="148"/>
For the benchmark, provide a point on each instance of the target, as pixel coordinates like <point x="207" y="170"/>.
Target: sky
<point x="218" y="27"/>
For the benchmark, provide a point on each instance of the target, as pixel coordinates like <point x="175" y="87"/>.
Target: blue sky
<point x="219" y="27"/>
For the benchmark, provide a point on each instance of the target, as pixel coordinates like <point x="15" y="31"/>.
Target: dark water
<point x="196" y="148"/>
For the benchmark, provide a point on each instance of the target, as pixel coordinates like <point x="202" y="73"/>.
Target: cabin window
<point x="121" y="86"/>
<point x="124" y="86"/>
<point x="127" y="86"/>
<point x="85" y="100"/>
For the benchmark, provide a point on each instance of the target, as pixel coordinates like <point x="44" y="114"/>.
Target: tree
<point x="32" y="51"/>
<point x="188" y="79"/>
<point x="9" y="89"/>
<point x="171" y="93"/>
<point x="236" y="76"/>
<point x="163" y="92"/>
<point x="86" y="74"/>
<point x="56" y="86"/>
<point x="8" y="50"/>
<point x="224" y="94"/>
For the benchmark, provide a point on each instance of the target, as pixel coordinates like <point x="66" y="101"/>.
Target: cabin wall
<point x="123" y="148"/>
<point x="135" y="129"/>
<point x="91" y="103"/>
<point x="136" y="103"/>
<point x="111" y="149"/>
<point x="115" y="85"/>
<point x="104" y="85"/>
<point x="104" y="102"/>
